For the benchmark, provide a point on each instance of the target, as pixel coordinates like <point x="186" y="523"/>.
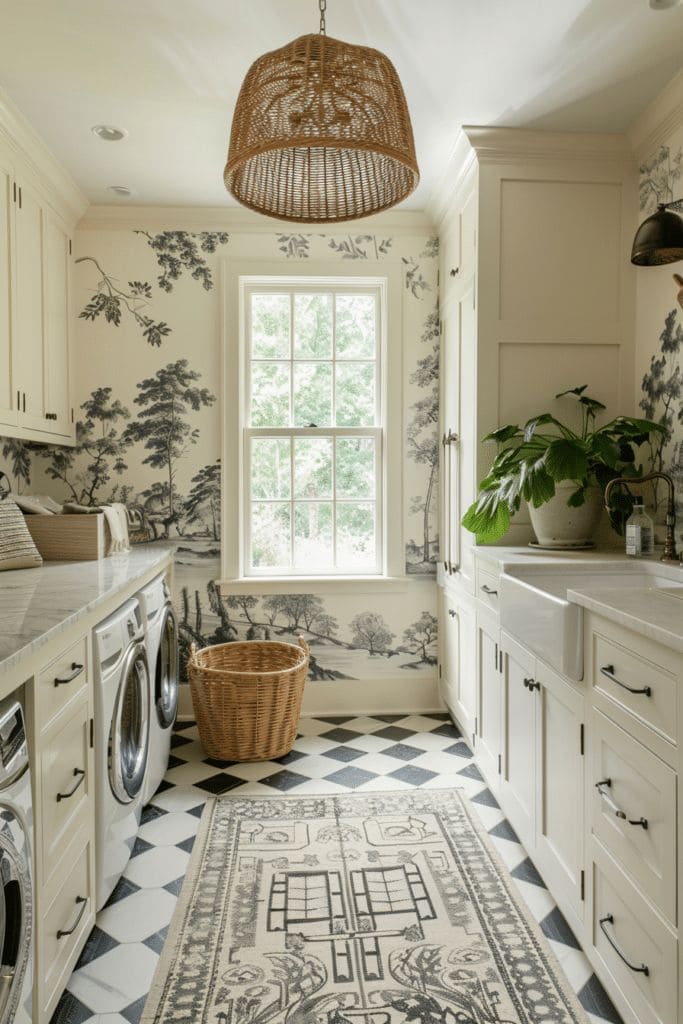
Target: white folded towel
<point x="117" y="521"/>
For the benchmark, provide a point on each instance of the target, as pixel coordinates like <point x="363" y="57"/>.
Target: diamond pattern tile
<point x="332" y="754"/>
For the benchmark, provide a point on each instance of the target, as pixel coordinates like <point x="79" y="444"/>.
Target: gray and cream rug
<point x="372" y="908"/>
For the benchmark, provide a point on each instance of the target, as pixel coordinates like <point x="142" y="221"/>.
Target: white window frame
<point x="239" y="279"/>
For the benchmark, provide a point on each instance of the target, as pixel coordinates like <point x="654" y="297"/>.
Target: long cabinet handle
<point x="446" y="539"/>
<point x="76" y="670"/>
<point x="643" y="969"/>
<point x="83" y="901"/>
<point x="616" y="810"/>
<point x="608" y="670"/>
<point x="80" y="779"/>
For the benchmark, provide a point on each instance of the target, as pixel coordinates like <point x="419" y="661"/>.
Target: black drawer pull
<point x="608" y="670"/>
<point x="451" y="612"/>
<point x="643" y="969"/>
<point x="80" y="776"/>
<point x="455" y="271"/>
<point x="489" y="590"/>
<point x="531" y="684"/>
<point x="83" y="900"/>
<point x="618" y="813"/>
<point x="76" y="670"/>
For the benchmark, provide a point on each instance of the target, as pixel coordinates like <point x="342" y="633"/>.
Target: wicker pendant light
<point x="321" y="133"/>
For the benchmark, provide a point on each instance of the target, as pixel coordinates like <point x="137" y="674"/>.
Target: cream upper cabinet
<point x="36" y="218"/>
<point x="28" y="352"/>
<point x="8" y="408"/>
<point x="56" y="297"/>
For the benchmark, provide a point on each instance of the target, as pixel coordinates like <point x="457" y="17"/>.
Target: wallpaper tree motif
<point x="149" y="428"/>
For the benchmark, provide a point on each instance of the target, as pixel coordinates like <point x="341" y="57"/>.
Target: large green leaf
<point x="488" y="525"/>
<point x="503" y="434"/>
<point x="572" y="391"/>
<point x="566" y="460"/>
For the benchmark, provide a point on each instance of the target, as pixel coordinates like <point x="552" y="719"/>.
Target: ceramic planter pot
<point x="557" y="524"/>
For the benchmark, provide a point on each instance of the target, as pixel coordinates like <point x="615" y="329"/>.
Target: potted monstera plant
<point x="560" y="472"/>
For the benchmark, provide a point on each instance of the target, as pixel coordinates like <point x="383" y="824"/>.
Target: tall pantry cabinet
<point x="39" y="208"/>
<point x="537" y="295"/>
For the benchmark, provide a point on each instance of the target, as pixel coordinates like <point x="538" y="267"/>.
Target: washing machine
<point x="161" y="632"/>
<point x="16" y="891"/>
<point x="122" y="714"/>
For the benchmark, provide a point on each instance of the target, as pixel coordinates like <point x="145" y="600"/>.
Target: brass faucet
<point x="670" y="554"/>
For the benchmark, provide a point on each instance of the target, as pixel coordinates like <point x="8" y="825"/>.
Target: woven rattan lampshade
<point x="321" y="132"/>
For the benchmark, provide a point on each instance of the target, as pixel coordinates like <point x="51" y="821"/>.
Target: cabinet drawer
<point x="66" y="786"/>
<point x="636" y="683"/>
<point x="636" y="947"/>
<point x="68" y="918"/>
<point x="60" y="681"/>
<point x="487" y="588"/>
<point x="636" y="784"/>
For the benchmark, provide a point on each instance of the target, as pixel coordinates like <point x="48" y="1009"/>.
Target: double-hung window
<point x="313" y="428"/>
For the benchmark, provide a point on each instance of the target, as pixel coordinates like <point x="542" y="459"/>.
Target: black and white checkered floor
<point x="331" y="755"/>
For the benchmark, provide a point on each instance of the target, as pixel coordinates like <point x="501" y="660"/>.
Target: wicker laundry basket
<point x="247" y="697"/>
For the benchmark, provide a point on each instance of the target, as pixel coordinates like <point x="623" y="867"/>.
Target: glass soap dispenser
<point x="640" y="534"/>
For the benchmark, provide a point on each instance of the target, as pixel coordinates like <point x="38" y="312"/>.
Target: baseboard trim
<point x="356" y="697"/>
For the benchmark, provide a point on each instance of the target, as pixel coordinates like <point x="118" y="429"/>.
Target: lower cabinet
<point x="457" y="668"/>
<point x="490" y="706"/>
<point x="60" y="715"/>
<point x="518" y="774"/>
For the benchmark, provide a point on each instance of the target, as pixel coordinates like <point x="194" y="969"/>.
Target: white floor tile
<point x="187" y="774"/>
<point x="313" y="726"/>
<point x="116" y="979"/>
<point x="138" y="916"/>
<point x="157" y="867"/>
<point x="180" y="798"/>
<point x="438" y="761"/>
<point x="169" y="829"/>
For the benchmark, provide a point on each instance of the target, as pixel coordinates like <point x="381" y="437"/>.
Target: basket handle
<point x="304" y="646"/>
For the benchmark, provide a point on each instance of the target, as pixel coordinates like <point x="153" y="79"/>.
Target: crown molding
<point x="659" y="120"/>
<point x="115" y="217"/>
<point x="22" y="141"/>
<point x="496" y="145"/>
<point x="458" y="165"/>
<point x="489" y="144"/>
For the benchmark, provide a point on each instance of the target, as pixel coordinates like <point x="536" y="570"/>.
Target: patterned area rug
<point x="372" y="908"/>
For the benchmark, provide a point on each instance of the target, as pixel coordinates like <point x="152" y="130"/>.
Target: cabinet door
<point x="8" y="407"/>
<point x="449" y="361"/>
<point x="559" y="835"/>
<point x="518" y="774"/>
<point x="458" y="677"/>
<point x="56" y="268"/>
<point x="490" y="699"/>
<point x="27" y="344"/>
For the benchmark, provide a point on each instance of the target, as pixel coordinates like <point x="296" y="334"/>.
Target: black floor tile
<point x="402" y="751"/>
<point x="413" y="775"/>
<point x="284" y="780"/>
<point x="343" y="753"/>
<point x="219" y="783"/>
<point x="459" y="750"/>
<point x="178" y="740"/>
<point x="526" y="872"/>
<point x="156" y="942"/>
<point x="447" y="729"/>
<point x="291" y="757"/>
<point x="98" y="944"/>
<point x="133" y="1012"/>
<point x="70" y="1011"/>
<point x="150" y="813"/>
<point x="216" y="763"/>
<point x="471" y="772"/>
<point x="335" y="719"/>
<point x="394" y="732"/>
<point x="555" y="926"/>
<point x="595" y="1000"/>
<point x="141" y="846"/>
<point x="351" y="777"/>
<point x="340" y="735"/>
<point x="485" y="797"/>
<point x="187" y="844"/>
<point x="175" y="886"/>
<point x="504" y="830"/>
<point x="124" y="887"/>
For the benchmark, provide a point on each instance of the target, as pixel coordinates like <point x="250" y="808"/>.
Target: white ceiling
<point x="169" y="72"/>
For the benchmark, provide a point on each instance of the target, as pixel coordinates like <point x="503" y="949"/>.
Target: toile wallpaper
<point x="148" y="355"/>
<point x="659" y="339"/>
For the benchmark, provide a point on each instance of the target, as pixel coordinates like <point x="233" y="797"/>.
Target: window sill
<point x="321" y="584"/>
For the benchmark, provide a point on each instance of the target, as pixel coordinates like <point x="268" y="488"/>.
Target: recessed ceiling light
<point x="108" y="133"/>
<point x="120" y="190"/>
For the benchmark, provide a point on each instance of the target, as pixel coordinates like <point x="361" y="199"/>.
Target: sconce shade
<point x="659" y="239"/>
<point x="321" y="132"/>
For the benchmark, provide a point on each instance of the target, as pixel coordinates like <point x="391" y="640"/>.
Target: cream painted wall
<point x="149" y="306"/>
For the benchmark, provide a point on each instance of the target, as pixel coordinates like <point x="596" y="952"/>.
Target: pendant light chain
<point x="322" y="4"/>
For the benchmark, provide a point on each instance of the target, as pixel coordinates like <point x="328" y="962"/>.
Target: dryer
<point x="16" y="889"/>
<point x="161" y="633"/>
<point x="122" y="713"/>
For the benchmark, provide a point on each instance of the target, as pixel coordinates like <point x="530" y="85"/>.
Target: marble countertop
<point x="653" y="611"/>
<point x="38" y="604"/>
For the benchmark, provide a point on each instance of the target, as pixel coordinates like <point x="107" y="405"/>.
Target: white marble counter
<point x="38" y="604"/>
<point x="653" y="611"/>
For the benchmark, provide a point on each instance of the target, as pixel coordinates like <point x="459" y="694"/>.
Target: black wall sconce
<point x="659" y="239"/>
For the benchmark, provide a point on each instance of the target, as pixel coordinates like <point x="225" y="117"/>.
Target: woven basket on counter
<point x="247" y="697"/>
